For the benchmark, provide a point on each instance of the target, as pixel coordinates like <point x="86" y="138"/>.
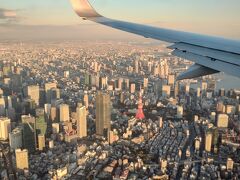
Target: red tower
<point x="140" y="115"/>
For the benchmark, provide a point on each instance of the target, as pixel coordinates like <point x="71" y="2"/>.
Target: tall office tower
<point x="21" y="159"/>
<point x="29" y="132"/>
<point x="6" y="70"/>
<point x="166" y="90"/>
<point x="187" y="88"/>
<point x="126" y="84"/>
<point x="87" y="79"/>
<point x="66" y="74"/>
<point x="55" y="128"/>
<point x="215" y="137"/>
<point x="16" y="82"/>
<point x="198" y="92"/>
<point x="160" y="120"/>
<point x="41" y="142"/>
<point x="208" y="141"/>
<point x="176" y="89"/>
<point x="5" y="128"/>
<point x="55" y="93"/>
<point x="220" y="107"/>
<point x="221" y="92"/>
<point x="103" y="82"/>
<point x="53" y="115"/>
<point x="120" y="83"/>
<point x="140" y="115"/>
<point x="2" y="107"/>
<point x="48" y="87"/>
<point x="230" y="109"/>
<point x="34" y="93"/>
<point x="204" y="86"/>
<point x="230" y="163"/>
<point x="95" y="67"/>
<point x="85" y="100"/>
<point x="132" y="88"/>
<point x="47" y="110"/>
<point x="1" y="93"/>
<point x="103" y="113"/>
<point x="149" y="67"/>
<point x="222" y="121"/>
<point x="41" y="124"/>
<point x="15" y="138"/>
<point x="64" y="113"/>
<point x="179" y="111"/>
<point x="197" y="143"/>
<point x="136" y="66"/>
<point x="171" y="79"/>
<point x="145" y="83"/>
<point x="81" y="121"/>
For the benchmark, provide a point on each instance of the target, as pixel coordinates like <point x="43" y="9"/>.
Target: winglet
<point x="84" y="9"/>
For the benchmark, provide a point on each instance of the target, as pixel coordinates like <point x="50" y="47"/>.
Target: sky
<point x="23" y="19"/>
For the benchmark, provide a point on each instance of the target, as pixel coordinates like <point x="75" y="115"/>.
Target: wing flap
<point x="209" y="62"/>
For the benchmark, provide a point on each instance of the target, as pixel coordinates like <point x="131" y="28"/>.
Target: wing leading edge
<point x="211" y="54"/>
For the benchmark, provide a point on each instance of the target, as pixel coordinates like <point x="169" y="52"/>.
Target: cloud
<point x="8" y="16"/>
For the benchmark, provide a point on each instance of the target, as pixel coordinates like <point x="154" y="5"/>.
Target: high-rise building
<point x="136" y="66"/>
<point x="85" y="100"/>
<point x="41" y="142"/>
<point x="166" y="90"/>
<point x="230" y="163"/>
<point x="15" y="138"/>
<point x="64" y="113"/>
<point x="48" y="87"/>
<point x="2" y="107"/>
<point x="103" y="113"/>
<point x="222" y="121"/>
<point x="21" y="159"/>
<point x="145" y="83"/>
<point x="171" y="79"/>
<point x="160" y="119"/>
<point x="5" y="128"/>
<point x="33" y="93"/>
<point x="29" y="132"/>
<point x="41" y="124"/>
<point x="179" y="111"/>
<point x="81" y="122"/>
<point x="208" y="141"/>
<point x="55" y="128"/>
<point x="53" y="115"/>
<point x="132" y="88"/>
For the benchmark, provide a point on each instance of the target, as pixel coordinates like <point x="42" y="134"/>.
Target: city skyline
<point x="22" y="19"/>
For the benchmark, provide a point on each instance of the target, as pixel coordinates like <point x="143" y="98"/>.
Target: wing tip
<point x="84" y="9"/>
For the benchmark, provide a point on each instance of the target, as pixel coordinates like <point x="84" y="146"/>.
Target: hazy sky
<point x="214" y="17"/>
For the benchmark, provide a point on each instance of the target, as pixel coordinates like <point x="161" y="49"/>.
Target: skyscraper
<point x="64" y="113"/>
<point x="103" y="113"/>
<point x="81" y="122"/>
<point x="15" y="138"/>
<point x="5" y="128"/>
<point x="33" y="93"/>
<point x="41" y="142"/>
<point x="85" y="100"/>
<point x="48" y="87"/>
<point x="41" y="124"/>
<point x="208" y="141"/>
<point x="21" y="159"/>
<point x="29" y="132"/>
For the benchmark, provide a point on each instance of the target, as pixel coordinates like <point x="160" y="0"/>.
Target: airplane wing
<point x="210" y="54"/>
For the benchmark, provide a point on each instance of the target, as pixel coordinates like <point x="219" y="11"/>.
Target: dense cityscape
<point x="112" y="110"/>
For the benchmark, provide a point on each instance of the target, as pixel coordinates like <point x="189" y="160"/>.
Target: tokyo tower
<point x="140" y="115"/>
